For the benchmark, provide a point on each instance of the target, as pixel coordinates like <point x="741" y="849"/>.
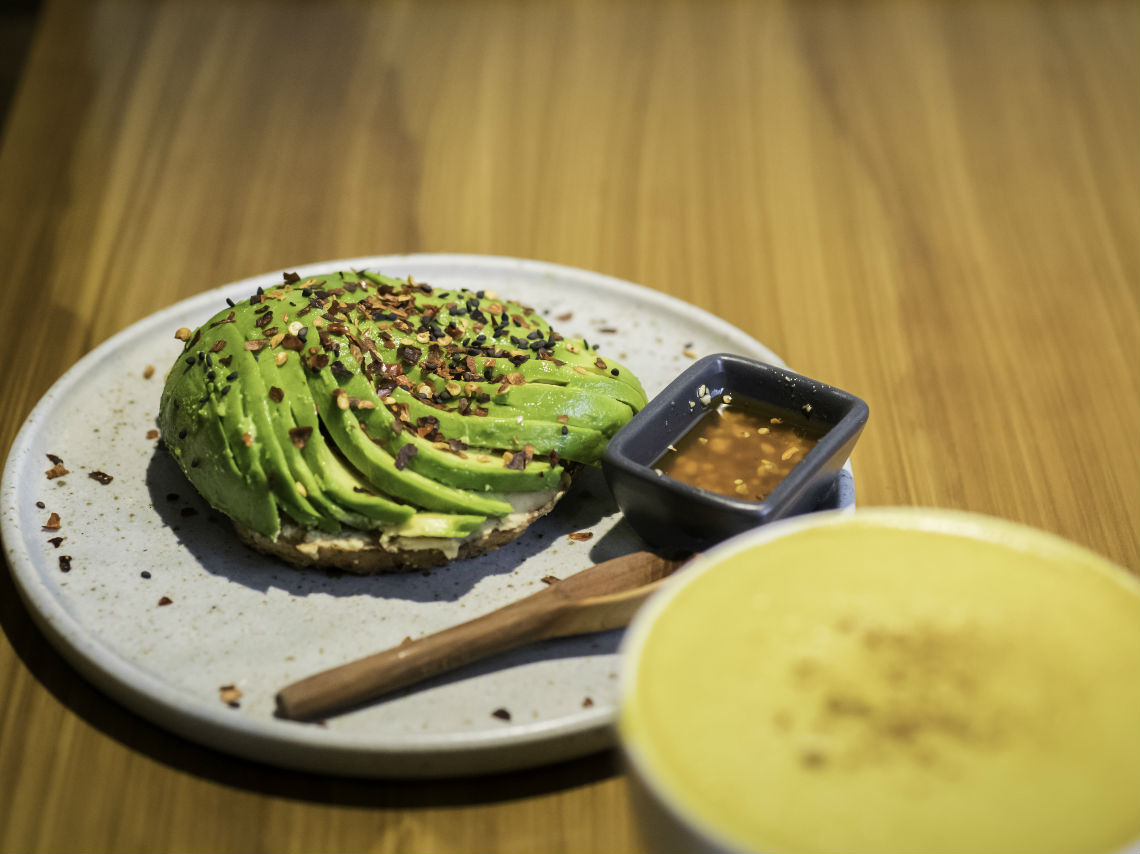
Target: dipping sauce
<point x="741" y="448"/>
<point x="891" y="681"/>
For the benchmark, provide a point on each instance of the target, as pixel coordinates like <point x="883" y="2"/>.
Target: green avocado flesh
<point x="355" y="399"/>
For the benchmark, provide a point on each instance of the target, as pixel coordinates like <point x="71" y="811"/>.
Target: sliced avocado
<point x="481" y="470"/>
<point x="438" y="525"/>
<point x="326" y="449"/>
<point x="580" y="407"/>
<point x="275" y="454"/>
<point x="380" y="467"/>
<point x="353" y="501"/>
<point x="580" y="444"/>
<point x="194" y="418"/>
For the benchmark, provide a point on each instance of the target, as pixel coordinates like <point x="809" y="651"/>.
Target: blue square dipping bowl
<point x="668" y="513"/>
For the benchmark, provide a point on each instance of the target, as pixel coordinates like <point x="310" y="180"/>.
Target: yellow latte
<point x="894" y="681"/>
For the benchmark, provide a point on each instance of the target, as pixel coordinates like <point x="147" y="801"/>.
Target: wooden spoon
<point x="604" y="596"/>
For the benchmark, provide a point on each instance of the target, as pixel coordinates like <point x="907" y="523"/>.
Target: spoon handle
<point x="366" y="678"/>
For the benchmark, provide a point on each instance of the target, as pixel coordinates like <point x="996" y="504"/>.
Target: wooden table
<point x="933" y="205"/>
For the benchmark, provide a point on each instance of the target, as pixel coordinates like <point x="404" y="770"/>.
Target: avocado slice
<point x="278" y="458"/>
<point x="482" y="469"/>
<point x="199" y="444"/>
<point x="381" y="468"/>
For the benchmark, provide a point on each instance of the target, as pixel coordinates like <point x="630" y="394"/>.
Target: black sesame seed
<point x="209" y="361"/>
<point x="480" y="294"/>
<point x="210" y="375"/>
<point x="229" y="302"/>
<point x="181" y="434"/>
<point x="41" y="505"/>
<point x="533" y="335"/>
<point x="232" y="376"/>
<point x="565" y="429"/>
<point x="195" y="463"/>
<point x="614" y="371"/>
<point x="145" y="574"/>
<point x="225" y="390"/>
<point x="190" y="360"/>
<point x="260" y="290"/>
<point x="303" y="333"/>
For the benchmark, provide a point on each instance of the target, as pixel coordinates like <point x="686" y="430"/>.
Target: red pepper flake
<point x="515" y="378"/>
<point x="587" y="703"/>
<point x="562" y="318"/>
<point x="65" y="563"/>
<point x="55" y="541"/>
<point x="148" y="372"/>
<point x="165" y="600"/>
<point x="409" y="354"/>
<point x="550" y="579"/>
<point x="518" y="460"/>
<point x="609" y="330"/>
<point x="225" y="360"/>
<point x="404" y="454"/>
<point x="53" y="523"/>
<point x="600" y="363"/>
<point x="299" y="436"/>
<point x="229" y="694"/>
<point x="229" y="318"/>
<point x="264" y="320"/>
<point x="152" y="434"/>
<point x="218" y="346"/>
<point x="56" y="471"/>
<point x="292" y="342"/>
<point x="276" y="394"/>
<point x="501" y="714"/>
<point x="320" y="360"/>
<point x="562" y="419"/>
<point x="290" y="279"/>
<point x="100" y="476"/>
<point x="247" y="439"/>
<point x="581" y="536"/>
<point x="258" y="343"/>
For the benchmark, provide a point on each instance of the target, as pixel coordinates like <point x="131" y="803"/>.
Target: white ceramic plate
<point x="237" y="618"/>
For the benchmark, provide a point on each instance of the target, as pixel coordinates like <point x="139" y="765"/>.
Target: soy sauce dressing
<point x="741" y="448"/>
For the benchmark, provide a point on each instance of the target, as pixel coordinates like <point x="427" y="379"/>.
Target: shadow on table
<point x="52" y="671"/>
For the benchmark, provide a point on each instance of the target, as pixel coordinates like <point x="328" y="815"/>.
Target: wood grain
<point x="932" y="204"/>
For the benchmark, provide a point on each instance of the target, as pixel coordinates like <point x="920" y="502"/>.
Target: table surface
<point x="933" y="205"/>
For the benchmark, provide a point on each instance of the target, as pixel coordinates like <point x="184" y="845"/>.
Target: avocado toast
<point x="367" y="423"/>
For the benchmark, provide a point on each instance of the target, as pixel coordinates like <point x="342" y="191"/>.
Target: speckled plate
<point x="235" y="618"/>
